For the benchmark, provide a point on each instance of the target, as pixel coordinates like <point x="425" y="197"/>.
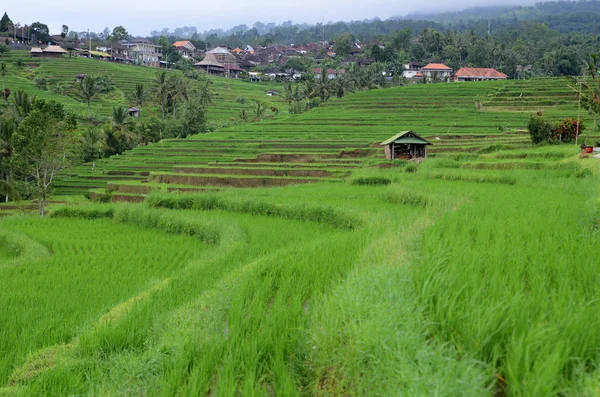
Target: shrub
<point x="41" y="81"/>
<point x="371" y="181"/>
<point x="566" y="131"/>
<point x="540" y="130"/>
<point x="241" y="99"/>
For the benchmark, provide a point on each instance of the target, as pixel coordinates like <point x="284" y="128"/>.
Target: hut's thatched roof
<point x="55" y="49"/>
<point x="210" y="60"/>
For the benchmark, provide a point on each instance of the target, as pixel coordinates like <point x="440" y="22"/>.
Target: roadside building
<point x="406" y="145"/>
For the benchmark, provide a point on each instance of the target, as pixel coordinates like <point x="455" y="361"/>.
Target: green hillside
<point x="342" y="133"/>
<point x="124" y="78"/>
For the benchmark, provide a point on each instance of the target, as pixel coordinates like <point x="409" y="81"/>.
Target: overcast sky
<point x="142" y="16"/>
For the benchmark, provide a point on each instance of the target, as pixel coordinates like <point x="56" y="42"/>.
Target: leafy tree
<point x="87" y="90"/>
<point x="400" y="39"/>
<point x="64" y="31"/>
<point x="41" y="31"/>
<point x="342" y="44"/>
<point x="5" y="22"/>
<point x="539" y="129"/>
<point x="7" y="190"/>
<point x="119" y="33"/>
<point x="43" y="145"/>
<point x="193" y="117"/>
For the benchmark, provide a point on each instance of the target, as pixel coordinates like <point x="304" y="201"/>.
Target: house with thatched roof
<point x="223" y="55"/>
<point x="211" y="65"/>
<point x="406" y="145"/>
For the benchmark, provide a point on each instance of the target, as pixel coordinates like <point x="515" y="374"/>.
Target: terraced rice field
<point x="341" y="134"/>
<point x="337" y="273"/>
<point x="124" y="78"/>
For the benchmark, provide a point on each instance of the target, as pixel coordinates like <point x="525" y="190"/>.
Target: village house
<point x="118" y="52"/>
<point x="144" y="52"/>
<point x="52" y="51"/>
<point x="478" y="74"/>
<point x="437" y="71"/>
<point x="331" y="73"/>
<point x="211" y="65"/>
<point x="185" y="48"/>
<point x="406" y="145"/>
<point x="411" y="70"/>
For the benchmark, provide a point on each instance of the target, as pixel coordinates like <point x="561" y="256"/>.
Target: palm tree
<point x="161" y="87"/>
<point x="91" y="142"/>
<point x="22" y="105"/>
<point x="323" y="88"/>
<point x="259" y="109"/>
<point x="138" y="95"/>
<point x="180" y="91"/>
<point x="119" y="118"/>
<point x="3" y="70"/>
<point x="340" y="85"/>
<point x="206" y="96"/>
<point x="243" y="115"/>
<point x="87" y="90"/>
<point x="7" y="127"/>
<point x="356" y="76"/>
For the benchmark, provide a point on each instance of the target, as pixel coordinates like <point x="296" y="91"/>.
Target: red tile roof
<point x="436" y="66"/>
<point x="180" y="43"/>
<point x="480" y="73"/>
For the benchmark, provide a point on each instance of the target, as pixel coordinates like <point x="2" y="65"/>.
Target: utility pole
<point x="90" y="45"/>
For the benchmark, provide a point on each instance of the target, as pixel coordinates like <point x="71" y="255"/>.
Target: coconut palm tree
<point x="160" y="85"/>
<point x="87" y="90"/>
<point x="323" y="87"/>
<point x="3" y="69"/>
<point x="7" y="127"/>
<point x="206" y="96"/>
<point x="22" y="105"/>
<point x="180" y="91"/>
<point x="138" y="95"/>
<point x="119" y="118"/>
<point x="259" y="109"/>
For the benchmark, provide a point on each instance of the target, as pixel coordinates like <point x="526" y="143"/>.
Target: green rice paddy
<point x="472" y="273"/>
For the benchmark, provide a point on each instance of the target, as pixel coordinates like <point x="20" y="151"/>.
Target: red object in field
<point x="589" y="149"/>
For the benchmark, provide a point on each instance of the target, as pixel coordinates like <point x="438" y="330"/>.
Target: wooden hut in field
<point x="52" y="51"/>
<point x="406" y="145"/>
